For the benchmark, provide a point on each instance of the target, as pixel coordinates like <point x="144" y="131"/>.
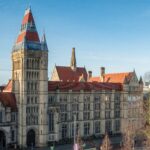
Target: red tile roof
<point x="85" y="86"/>
<point x="28" y="17"/>
<point x="28" y="30"/>
<point x="67" y="74"/>
<point x="8" y="100"/>
<point x="113" y="77"/>
<point x="8" y="87"/>
<point x="30" y="36"/>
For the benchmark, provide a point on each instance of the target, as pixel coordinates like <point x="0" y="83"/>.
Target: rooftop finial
<point x="28" y="9"/>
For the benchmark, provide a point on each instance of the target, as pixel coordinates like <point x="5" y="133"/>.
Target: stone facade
<point x="8" y="120"/>
<point x="113" y="110"/>
<point x="30" y="87"/>
<point x="97" y="112"/>
<point x="8" y="126"/>
<point x="135" y="102"/>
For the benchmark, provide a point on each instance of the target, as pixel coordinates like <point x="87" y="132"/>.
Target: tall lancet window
<point x="51" y="121"/>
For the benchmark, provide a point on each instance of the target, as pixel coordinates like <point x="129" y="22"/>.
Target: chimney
<point x="89" y="74"/>
<point x="102" y="71"/>
<point x="102" y="74"/>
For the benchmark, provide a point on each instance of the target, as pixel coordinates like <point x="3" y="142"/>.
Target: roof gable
<point x="114" y="78"/>
<point x="54" y="76"/>
<point x="67" y="74"/>
<point x="8" y="87"/>
<point x="134" y="79"/>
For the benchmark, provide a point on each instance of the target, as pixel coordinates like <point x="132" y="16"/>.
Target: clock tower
<point x="30" y="83"/>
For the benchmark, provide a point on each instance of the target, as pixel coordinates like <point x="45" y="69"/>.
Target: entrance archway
<point x="31" y="138"/>
<point x="2" y="140"/>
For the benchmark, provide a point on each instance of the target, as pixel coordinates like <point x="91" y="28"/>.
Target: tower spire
<point x="28" y="32"/>
<point x="28" y="9"/>
<point x="73" y="64"/>
<point x="43" y="42"/>
<point x="141" y="80"/>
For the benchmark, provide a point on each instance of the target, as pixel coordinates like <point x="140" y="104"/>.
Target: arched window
<point x="35" y="86"/>
<point x="29" y="75"/>
<point x="32" y="75"/>
<point x="36" y="64"/>
<point x="27" y="63"/>
<point x="31" y="86"/>
<point x="31" y="138"/>
<point x="32" y="64"/>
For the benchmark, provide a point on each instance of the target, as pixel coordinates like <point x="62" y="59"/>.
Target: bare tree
<point x="80" y="142"/>
<point x="106" y="144"/>
<point x="146" y="119"/>
<point x="146" y="109"/>
<point x="128" y="138"/>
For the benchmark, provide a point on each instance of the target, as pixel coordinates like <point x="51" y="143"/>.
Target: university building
<point x="35" y="111"/>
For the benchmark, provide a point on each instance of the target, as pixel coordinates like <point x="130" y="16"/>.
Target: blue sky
<point x="110" y="33"/>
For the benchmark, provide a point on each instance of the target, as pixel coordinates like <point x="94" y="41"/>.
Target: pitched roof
<point x="8" y="100"/>
<point x="113" y="77"/>
<point x="85" y="86"/>
<point x="67" y="74"/>
<point x="29" y="36"/>
<point x="8" y="87"/>
<point x="28" y="17"/>
<point x="28" y="28"/>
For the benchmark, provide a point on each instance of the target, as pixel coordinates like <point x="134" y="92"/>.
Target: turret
<point x="30" y="82"/>
<point x="141" y="81"/>
<point x="44" y="43"/>
<point x="28" y="32"/>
